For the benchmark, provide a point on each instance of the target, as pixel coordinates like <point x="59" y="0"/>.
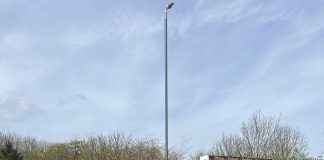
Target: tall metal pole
<point x="166" y="82"/>
<point x="166" y="79"/>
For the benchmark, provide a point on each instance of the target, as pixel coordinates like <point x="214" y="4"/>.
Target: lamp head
<point x="169" y="6"/>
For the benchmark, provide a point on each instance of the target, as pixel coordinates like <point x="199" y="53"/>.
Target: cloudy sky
<point x="77" y="68"/>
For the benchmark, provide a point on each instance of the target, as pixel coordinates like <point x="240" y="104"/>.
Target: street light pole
<point x="166" y="78"/>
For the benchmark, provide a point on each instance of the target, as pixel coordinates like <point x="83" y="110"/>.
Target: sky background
<point x="78" y="68"/>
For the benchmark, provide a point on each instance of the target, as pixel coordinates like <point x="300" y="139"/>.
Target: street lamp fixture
<point x="169" y="6"/>
<point x="166" y="78"/>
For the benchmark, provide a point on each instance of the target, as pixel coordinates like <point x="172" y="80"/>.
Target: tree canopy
<point x="263" y="137"/>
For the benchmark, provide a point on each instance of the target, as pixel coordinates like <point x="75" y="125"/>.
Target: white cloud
<point x="125" y="27"/>
<point x="223" y="12"/>
<point x="14" y="42"/>
<point x="74" y="98"/>
<point x="15" y="109"/>
<point x="5" y="81"/>
<point x="79" y="40"/>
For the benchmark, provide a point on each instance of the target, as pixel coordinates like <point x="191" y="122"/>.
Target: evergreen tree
<point x="8" y="152"/>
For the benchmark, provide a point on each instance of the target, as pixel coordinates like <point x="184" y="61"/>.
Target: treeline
<point x="115" y="146"/>
<point x="260" y="137"/>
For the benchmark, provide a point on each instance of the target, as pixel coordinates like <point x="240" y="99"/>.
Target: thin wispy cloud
<point x="15" y="109"/>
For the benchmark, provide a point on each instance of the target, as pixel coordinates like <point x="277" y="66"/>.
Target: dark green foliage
<point x="8" y="152"/>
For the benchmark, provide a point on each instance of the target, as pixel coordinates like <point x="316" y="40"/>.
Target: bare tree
<point x="288" y="143"/>
<point x="263" y="137"/>
<point x="230" y="145"/>
<point x="114" y="146"/>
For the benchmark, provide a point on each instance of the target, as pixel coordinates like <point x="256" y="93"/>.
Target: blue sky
<point x="72" y="69"/>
